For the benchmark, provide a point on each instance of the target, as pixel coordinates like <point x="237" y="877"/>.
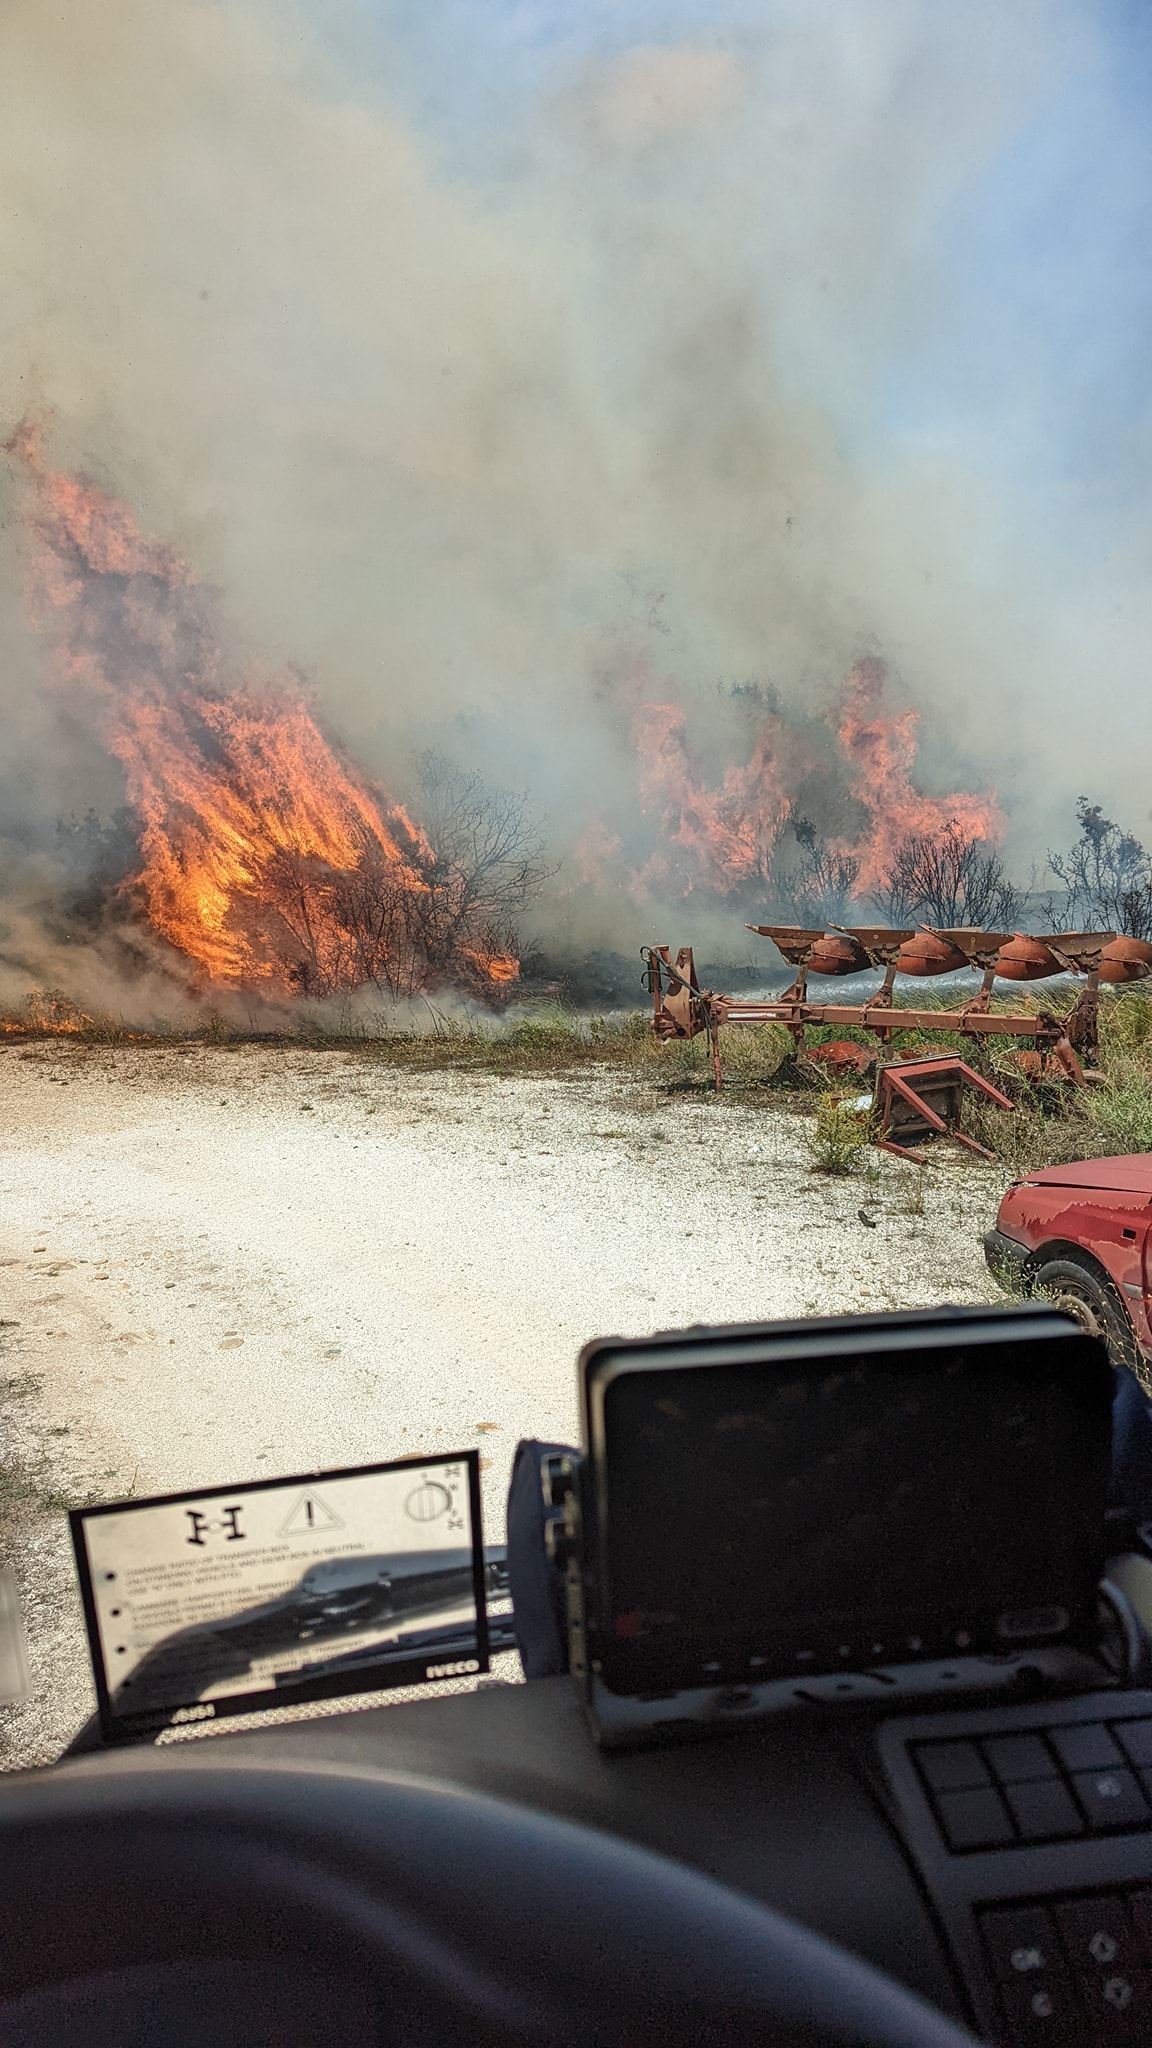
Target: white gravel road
<point x="223" y="1263"/>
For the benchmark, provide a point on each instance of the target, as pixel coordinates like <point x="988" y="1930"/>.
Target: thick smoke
<point x="471" y="436"/>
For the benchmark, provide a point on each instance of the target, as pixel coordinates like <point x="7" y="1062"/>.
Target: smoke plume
<point x="542" y="432"/>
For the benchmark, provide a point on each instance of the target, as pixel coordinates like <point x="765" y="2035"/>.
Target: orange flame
<point x="881" y="752"/>
<point x="265" y="858"/>
<point x="712" y="839"/>
<point x="721" y="838"/>
<point x="501" y="968"/>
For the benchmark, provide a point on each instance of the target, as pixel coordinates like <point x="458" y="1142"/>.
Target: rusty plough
<point x="1059" y="1046"/>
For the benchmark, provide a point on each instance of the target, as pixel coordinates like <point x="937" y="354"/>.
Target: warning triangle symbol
<point x="310" y="1516"/>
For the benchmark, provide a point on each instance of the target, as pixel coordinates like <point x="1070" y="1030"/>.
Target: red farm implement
<point x="1058" y="1046"/>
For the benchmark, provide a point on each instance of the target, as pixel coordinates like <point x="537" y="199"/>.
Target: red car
<point x="1083" y="1234"/>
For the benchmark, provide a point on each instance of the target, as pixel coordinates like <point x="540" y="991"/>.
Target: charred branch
<point x="1105" y="876"/>
<point x="948" y="879"/>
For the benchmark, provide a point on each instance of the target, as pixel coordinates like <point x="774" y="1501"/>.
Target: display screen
<point x="768" y="1517"/>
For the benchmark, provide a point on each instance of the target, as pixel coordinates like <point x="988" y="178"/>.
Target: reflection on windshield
<point x="366" y="1605"/>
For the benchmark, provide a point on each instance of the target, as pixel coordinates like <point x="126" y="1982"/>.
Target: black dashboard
<point x="707" y="1596"/>
<point x="996" y="1860"/>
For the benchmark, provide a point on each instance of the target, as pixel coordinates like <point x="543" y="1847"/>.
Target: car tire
<point x="1096" y="1305"/>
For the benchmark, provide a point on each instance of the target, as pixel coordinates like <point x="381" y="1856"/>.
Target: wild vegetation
<point x="840" y="1136"/>
<point x="490" y="850"/>
<point x="1050" y="1121"/>
<point x="953" y="877"/>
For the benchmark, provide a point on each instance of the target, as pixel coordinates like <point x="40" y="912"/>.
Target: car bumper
<point x="1007" y="1261"/>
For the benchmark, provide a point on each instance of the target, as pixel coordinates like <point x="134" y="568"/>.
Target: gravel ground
<point x="217" y="1264"/>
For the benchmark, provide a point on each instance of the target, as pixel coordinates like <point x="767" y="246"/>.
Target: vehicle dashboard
<point x="995" y="1859"/>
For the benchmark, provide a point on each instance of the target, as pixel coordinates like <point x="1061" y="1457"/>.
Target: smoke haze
<point x="471" y="388"/>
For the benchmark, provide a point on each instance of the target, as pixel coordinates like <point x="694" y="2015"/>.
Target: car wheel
<point x="1095" y="1304"/>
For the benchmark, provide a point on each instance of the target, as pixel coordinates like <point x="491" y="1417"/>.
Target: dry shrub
<point x="840" y="1136"/>
<point x="750" y="1056"/>
<point x="753" y="1053"/>
<point x="1118" y="1112"/>
<point x="1051" y="1124"/>
<point x="1023" y="1138"/>
<point x="635" y="1027"/>
<point x="1126" y="1024"/>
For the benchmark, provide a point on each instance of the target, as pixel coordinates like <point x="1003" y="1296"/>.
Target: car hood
<point x="1132" y="1171"/>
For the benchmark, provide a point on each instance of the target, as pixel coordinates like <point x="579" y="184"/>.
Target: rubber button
<point x="975" y="1820"/>
<point x="1015" y="1758"/>
<point x="1046" y="2012"/>
<point x="1135" y="1739"/>
<point x="1120" y="2006"/>
<point x="1097" y="1934"/>
<point x="1044" y="1811"/>
<point x="1111" y="1799"/>
<point x="1090" y="1748"/>
<point x="1021" y="1943"/>
<point x="951" y="1766"/>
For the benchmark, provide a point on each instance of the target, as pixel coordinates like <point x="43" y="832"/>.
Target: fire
<point x="268" y="861"/>
<point x="716" y="839"/>
<point x="722" y="836"/>
<point x="501" y="968"/>
<point x="265" y="858"/>
<point x="713" y="839"/>
<point x="880" y="752"/>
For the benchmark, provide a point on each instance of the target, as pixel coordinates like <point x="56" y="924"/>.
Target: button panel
<point x="1055" y="1784"/>
<point x="1074" y="1971"/>
<point x="1087" y="1746"/>
<point x="1044" y="1811"/>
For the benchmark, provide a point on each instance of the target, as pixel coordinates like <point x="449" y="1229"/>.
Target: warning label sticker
<point x="209" y="1602"/>
<point x="309" y="1513"/>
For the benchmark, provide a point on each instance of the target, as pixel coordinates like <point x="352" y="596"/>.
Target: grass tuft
<point x="840" y="1137"/>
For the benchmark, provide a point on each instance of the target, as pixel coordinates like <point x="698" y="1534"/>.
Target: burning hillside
<point x="812" y="815"/>
<point x="266" y="862"/>
<point x="265" y="859"/>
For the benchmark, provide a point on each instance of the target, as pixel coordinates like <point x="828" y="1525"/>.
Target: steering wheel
<point x="462" y="1917"/>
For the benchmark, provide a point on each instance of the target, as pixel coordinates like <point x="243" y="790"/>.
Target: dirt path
<point x="216" y="1264"/>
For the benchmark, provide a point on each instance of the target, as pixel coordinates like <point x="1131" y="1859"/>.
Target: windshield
<point x="570" y="593"/>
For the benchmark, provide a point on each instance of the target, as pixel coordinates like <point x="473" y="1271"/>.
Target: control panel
<point x="1032" y="1830"/>
<point x="1073" y="1969"/>
<point x="1046" y="1784"/>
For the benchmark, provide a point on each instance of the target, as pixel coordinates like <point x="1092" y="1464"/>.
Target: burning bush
<point x="484" y="863"/>
<point x="258" y="852"/>
<point x="808" y="819"/>
<point x="826" y="885"/>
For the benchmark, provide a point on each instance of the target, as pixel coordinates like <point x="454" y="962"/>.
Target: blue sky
<point x="1051" y="254"/>
<point x="1040" y="355"/>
